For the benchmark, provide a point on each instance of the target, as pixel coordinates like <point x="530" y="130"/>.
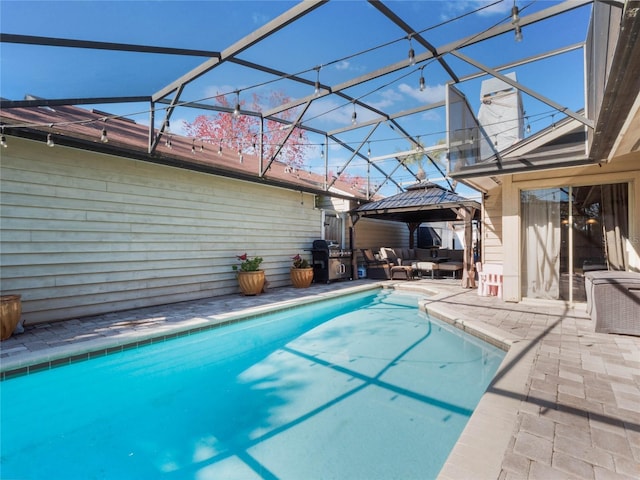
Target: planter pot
<point x="251" y="283"/>
<point x="10" y="312"/>
<point x="301" y="277"/>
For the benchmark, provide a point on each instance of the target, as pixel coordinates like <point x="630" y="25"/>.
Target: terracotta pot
<point x="301" y="277"/>
<point x="251" y="283"/>
<point x="10" y="312"/>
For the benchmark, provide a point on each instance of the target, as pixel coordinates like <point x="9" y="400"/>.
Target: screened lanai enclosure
<point x="378" y="104"/>
<point x="147" y="144"/>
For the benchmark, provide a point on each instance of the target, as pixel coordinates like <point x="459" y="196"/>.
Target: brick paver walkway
<point x="565" y="403"/>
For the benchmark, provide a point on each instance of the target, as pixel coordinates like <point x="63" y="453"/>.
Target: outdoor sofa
<point x="423" y="260"/>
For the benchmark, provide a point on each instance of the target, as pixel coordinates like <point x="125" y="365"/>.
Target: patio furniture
<point x="613" y="301"/>
<point x="489" y="279"/>
<point x="402" y="272"/>
<point x="452" y="267"/>
<point x="376" y="269"/>
<point x="390" y="256"/>
<point x="423" y="267"/>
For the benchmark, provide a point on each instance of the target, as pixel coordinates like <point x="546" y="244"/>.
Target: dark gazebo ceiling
<point x="420" y="203"/>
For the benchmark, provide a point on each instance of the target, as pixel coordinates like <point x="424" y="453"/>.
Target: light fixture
<point x="354" y="115"/>
<point x="3" y="139"/>
<point x="202" y="146"/>
<point x="103" y="136"/>
<point x="368" y="149"/>
<point x="422" y="84"/>
<point x="316" y="90"/>
<point x="220" y="148"/>
<point x="553" y="122"/>
<point x="193" y="146"/>
<point x="412" y="53"/>
<point x="518" y="31"/>
<point x="167" y="126"/>
<point x="236" y="110"/>
<point x="515" y="14"/>
<point x="168" y="142"/>
<point x="515" y="20"/>
<point x="50" y="142"/>
<point x="528" y="128"/>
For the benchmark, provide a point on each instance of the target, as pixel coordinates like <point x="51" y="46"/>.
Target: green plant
<point x="247" y="264"/>
<point x="299" y="262"/>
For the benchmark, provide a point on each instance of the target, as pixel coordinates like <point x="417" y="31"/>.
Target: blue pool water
<point x="361" y="387"/>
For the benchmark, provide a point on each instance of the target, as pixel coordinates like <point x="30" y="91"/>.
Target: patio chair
<point x="376" y="269"/>
<point x="489" y="280"/>
<point x="399" y="271"/>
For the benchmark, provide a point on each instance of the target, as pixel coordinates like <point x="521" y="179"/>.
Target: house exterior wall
<point x="373" y="233"/>
<point x="491" y="229"/>
<point x="622" y="170"/>
<point x="84" y="233"/>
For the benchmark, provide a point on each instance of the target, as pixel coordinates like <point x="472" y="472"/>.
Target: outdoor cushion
<point x="390" y="255"/>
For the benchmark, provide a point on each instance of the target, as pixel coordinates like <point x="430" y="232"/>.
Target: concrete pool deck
<point x="564" y="404"/>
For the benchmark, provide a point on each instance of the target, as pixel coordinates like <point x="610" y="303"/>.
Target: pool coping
<point x="480" y="448"/>
<point x="58" y="356"/>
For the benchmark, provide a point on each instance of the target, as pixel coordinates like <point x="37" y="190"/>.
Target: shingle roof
<point x="81" y="128"/>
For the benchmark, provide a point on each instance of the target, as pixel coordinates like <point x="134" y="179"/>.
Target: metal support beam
<point x="281" y="146"/>
<point x="353" y="156"/>
<point x="351" y="149"/>
<point x="467" y="41"/>
<point x="298" y="11"/>
<point x="122" y="47"/>
<point x="168" y="111"/>
<point x="44" y="102"/>
<point x="528" y="91"/>
<point x="386" y="11"/>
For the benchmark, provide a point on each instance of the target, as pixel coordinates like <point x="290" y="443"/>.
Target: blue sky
<point x="334" y="37"/>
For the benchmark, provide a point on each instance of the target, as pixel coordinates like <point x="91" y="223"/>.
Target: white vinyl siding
<point x="85" y="233"/>
<point x="492" y="227"/>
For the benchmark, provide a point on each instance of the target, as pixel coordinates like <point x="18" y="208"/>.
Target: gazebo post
<point x="412" y="230"/>
<point x="468" y="266"/>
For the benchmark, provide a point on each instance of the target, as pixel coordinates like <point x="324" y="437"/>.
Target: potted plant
<point x="301" y="272"/>
<point x="250" y="277"/>
<point x="10" y="311"/>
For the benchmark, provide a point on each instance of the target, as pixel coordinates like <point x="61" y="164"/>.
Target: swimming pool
<point x="360" y="387"/>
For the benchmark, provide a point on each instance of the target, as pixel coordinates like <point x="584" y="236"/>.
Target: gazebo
<point x="427" y="202"/>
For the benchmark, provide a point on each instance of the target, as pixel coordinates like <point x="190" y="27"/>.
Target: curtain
<point x="540" y="210"/>
<point x="615" y="224"/>
<point x="468" y="265"/>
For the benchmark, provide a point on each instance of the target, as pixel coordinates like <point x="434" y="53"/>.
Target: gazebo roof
<point x="422" y="202"/>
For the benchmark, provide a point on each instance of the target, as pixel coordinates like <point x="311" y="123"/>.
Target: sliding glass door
<point x="568" y="231"/>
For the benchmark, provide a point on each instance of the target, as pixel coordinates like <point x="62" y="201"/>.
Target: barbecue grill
<point x="330" y="261"/>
